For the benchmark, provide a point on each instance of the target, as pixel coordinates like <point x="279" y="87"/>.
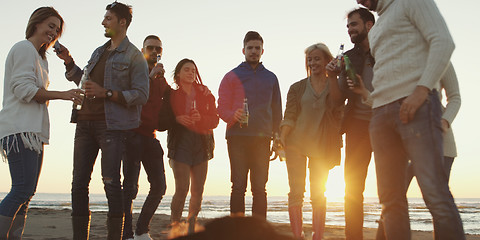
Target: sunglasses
<point x="110" y="6"/>
<point x="151" y="48"/>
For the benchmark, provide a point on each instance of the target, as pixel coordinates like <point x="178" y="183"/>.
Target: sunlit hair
<point x="121" y="10"/>
<point x="178" y="68"/>
<point x="320" y="46"/>
<point x="155" y="37"/>
<point x="364" y="14"/>
<point x="252" y="35"/>
<point x="37" y="17"/>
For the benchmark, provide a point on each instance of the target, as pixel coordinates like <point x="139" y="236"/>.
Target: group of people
<point x="393" y="110"/>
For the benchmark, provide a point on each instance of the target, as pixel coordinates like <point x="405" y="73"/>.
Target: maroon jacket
<point x="149" y="115"/>
<point x="209" y="120"/>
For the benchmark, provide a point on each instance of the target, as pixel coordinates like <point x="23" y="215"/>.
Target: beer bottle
<point x="279" y="148"/>
<point x="339" y="57"/>
<point x="351" y="74"/>
<point x="246" y="114"/>
<point x="81" y="85"/>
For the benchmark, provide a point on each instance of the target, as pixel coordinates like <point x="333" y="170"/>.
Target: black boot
<point x="81" y="227"/>
<point x="115" y="228"/>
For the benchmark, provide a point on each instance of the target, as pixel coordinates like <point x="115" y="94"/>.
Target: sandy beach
<point x="56" y="224"/>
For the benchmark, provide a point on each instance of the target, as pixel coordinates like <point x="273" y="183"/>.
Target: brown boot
<point x="296" y="221"/>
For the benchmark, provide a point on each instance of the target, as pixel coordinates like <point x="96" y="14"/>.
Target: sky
<point x="211" y="33"/>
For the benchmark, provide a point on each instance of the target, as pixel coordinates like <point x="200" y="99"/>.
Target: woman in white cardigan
<point x="24" y="123"/>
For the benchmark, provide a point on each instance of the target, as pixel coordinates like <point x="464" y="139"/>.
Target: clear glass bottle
<point x="339" y="57"/>
<point x="244" y="121"/>
<point x="81" y="85"/>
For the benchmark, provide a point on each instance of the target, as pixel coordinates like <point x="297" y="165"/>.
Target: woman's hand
<point x="358" y="89"/>
<point x="195" y="115"/>
<point x="445" y="125"/>
<point x="185" y="120"/>
<point x="64" y="54"/>
<point x="74" y="95"/>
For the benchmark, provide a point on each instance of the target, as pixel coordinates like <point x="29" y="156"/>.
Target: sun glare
<point x="335" y="185"/>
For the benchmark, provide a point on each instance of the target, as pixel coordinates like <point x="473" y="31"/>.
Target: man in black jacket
<point x="356" y="121"/>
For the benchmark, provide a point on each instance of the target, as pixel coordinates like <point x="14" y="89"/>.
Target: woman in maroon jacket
<point x="190" y="140"/>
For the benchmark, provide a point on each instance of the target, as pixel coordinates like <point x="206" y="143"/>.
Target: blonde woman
<point x="311" y="136"/>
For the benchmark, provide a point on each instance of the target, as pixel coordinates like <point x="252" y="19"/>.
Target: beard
<point x="360" y="37"/>
<point x="109" y="33"/>
<point x="151" y="60"/>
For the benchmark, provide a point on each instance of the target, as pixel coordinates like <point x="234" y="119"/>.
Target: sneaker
<point x="145" y="236"/>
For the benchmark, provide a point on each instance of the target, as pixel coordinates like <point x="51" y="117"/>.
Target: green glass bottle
<point x="351" y="74"/>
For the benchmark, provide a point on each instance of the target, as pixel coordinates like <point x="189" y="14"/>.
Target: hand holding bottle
<point x="278" y="148"/>
<point x="238" y="115"/>
<point x="194" y="113"/>
<point x="358" y="88"/>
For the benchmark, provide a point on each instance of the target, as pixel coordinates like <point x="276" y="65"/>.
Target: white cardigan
<point x="25" y="73"/>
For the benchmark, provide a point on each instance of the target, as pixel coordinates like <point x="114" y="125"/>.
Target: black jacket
<point x="357" y="57"/>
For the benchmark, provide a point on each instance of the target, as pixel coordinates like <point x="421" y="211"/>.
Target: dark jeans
<point x="91" y="136"/>
<point x="249" y="154"/>
<point x="420" y="140"/>
<point x="145" y="150"/>
<point x="358" y="152"/>
<point x="25" y="167"/>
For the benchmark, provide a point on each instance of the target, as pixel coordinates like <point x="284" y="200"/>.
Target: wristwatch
<point x="108" y="93"/>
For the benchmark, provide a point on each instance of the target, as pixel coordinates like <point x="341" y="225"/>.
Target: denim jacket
<point x="126" y="71"/>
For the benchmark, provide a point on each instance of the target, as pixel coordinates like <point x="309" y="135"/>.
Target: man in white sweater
<point x="412" y="47"/>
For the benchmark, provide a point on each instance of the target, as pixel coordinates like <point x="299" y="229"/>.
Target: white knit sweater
<point x="25" y="73"/>
<point x="411" y="45"/>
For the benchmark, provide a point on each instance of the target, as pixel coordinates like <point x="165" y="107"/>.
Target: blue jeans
<point x="248" y="153"/>
<point x="447" y="164"/>
<point x="149" y="152"/>
<point x="91" y="136"/>
<point x="420" y="140"/>
<point x="25" y="166"/>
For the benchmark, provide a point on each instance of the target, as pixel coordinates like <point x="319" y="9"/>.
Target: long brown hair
<point x="37" y="17"/>
<point x="198" y="79"/>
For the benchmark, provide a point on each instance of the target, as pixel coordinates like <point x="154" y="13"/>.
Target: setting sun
<point x="335" y="185"/>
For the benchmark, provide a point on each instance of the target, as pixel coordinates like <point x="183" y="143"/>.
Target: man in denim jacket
<point x="118" y="86"/>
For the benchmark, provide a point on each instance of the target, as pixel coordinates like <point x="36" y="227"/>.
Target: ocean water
<point x="218" y="206"/>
